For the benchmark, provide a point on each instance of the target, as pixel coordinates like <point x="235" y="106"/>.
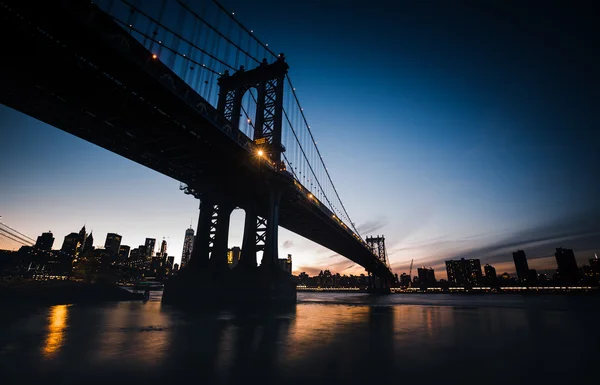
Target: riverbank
<point x="63" y="292"/>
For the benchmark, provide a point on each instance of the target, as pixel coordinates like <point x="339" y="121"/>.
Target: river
<point x="328" y="338"/>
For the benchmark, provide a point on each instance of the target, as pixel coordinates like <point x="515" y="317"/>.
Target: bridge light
<point x="154" y="56"/>
<point x="310" y="196"/>
<point x="260" y="153"/>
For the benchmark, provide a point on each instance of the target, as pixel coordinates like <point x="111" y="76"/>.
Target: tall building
<point x="89" y="244"/>
<point x="595" y="266"/>
<point x="233" y="256"/>
<point x="124" y="252"/>
<point x="404" y="280"/>
<point x="112" y="243"/>
<point x="567" y="265"/>
<point x="426" y="277"/>
<point x="82" y="239"/>
<point x="285" y="264"/>
<point x="464" y="272"/>
<point x="490" y="275"/>
<point x="45" y="241"/>
<point x="71" y="244"/>
<point x="134" y="255"/>
<point x="150" y="243"/>
<point x="521" y="265"/>
<point x="163" y="248"/>
<point x="188" y="245"/>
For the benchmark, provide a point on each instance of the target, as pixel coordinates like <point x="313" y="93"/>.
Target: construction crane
<point x="410" y="273"/>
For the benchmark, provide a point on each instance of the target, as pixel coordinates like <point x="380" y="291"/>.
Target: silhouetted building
<point x="567" y="265"/>
<point x="71" y="244"/>
<point x="426" y="277"/>
<point x="404" y="280"/>
<point x="233" y="256"/>
<point x="143" y="253"/>
<point x="532" y="277"/>
<point x="521" y="265"/>
<point x="82" y="239"/>
<point x="170" y="261"/>
<point x="285" y="264"/>
<point x="134" y="255"/>
<point x="188" y="246"/>
<point x="163" y="248"/>
<point x="175" y="268"/>
<point x="112" y="244"/>
<point x="124" y="252"/>
<point x="464" y="272"/>
<point x="490" y="275"/>
<point x="150" y="244"/>
<point x="45" y="241"/>
<point x="89" y="244"/>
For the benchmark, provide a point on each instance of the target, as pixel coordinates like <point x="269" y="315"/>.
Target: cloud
<point x="372" y="226"/>
<point x="287" y="244"/>
<point x="310" y="270"/>
<point x="578" y="231"/>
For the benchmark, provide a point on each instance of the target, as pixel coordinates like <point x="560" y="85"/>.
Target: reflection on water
<point x="326" y="339"/>
<point x="57" y="322"/>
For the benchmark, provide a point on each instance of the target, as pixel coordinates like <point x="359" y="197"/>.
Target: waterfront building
<point x="521" y="265"/>
<point x="124" y="252"/>
<point x="45" y="241"/>
<point x="188" y="246"/>
<point x="567" y="265"/>
<point x="71" y="244"/>
<point x="285" y="264"/>
<point x="112" y="244"/>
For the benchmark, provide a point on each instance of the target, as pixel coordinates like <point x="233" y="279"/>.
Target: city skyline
<point x="466" y="152"/>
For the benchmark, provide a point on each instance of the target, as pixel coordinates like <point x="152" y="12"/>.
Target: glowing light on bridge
<point x="154" y="56"/>
<point x="260" y="153"/>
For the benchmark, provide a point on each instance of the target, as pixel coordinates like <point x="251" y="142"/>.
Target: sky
<point x="455" y="129"/>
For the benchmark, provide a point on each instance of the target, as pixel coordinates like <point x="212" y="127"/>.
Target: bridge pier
<point x="218" y="257"/>
<point x="253" y="234"/>
<point x="271" y="255"/>
<point x="204" y="235"/>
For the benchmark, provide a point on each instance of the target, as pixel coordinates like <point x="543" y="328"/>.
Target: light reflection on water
<point x="327" y="338"/>
<point x="57" y="322"/>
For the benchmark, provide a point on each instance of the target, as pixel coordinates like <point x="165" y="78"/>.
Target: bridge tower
<point x="377" y="247"/>
<point x="260" y="234"/>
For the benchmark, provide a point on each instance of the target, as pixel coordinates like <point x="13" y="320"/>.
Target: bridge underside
<point x="69" y="65"/>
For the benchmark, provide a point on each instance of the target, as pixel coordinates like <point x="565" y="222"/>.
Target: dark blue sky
<point x="454" y="128"/>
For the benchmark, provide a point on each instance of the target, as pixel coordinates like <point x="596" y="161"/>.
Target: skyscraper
<point x="45" y="241"/>
<point x="464" y="272"/>
<point x="112" y="243"/>
<point x="124" y="251"/>
<point x="163" y="249"/>
<point x="188" y="245"/>
<point x="89" y="244"/>
<point x="82" y="239"/>
<point x="150" y="243"/>
<point x="521" y="265"/>
<point x="71" y="244"/>
<point x="567" y="265"/>
<point x="426" y="277"/>
<point x="490" y="275"/>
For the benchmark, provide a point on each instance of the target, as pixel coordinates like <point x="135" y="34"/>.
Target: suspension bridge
<point x="187" y="90"/>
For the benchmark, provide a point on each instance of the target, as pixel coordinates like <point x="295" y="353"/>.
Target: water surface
<point x="328" y="338"/>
